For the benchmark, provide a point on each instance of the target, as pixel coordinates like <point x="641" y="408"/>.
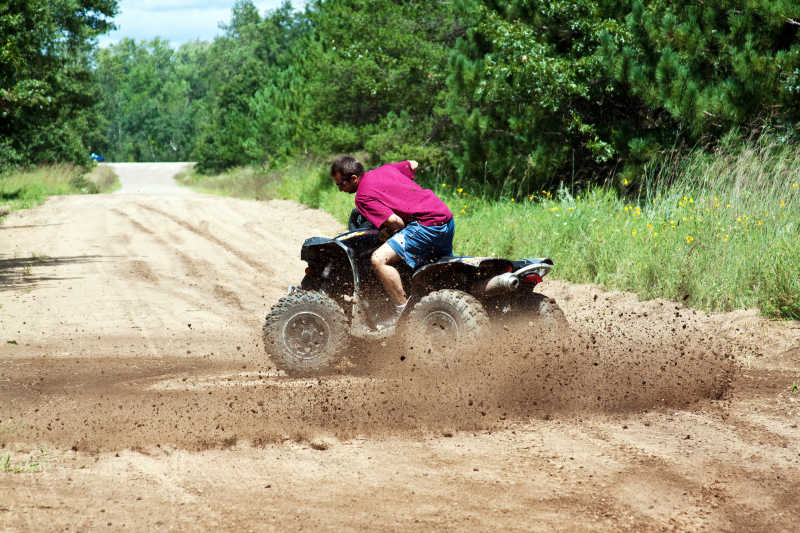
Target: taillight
<point x="308" y="270"/>
<point x="508" y="268"/>
<point x="533" y="278"/>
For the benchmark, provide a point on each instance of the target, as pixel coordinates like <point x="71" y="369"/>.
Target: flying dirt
<point x="135" y="392"/>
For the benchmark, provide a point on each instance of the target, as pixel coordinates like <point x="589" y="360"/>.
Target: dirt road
<point x="134" y="394"/>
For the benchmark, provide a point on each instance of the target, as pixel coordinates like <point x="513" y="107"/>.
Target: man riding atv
<point x="420" y="224"/>
<point x="437" y="304"/>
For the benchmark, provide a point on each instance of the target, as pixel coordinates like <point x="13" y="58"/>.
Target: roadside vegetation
<point x="717" y="231"/>
<point x="23" y="189"/>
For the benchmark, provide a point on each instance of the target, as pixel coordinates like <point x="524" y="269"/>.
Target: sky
<point x="177" y="21"/>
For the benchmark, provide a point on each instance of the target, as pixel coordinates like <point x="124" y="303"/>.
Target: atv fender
<point x="459" y="273"/>
<point x="337" y="255"/>
<point x="323" y="254"/>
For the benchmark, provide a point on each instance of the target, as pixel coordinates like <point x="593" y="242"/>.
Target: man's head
<point x="346" y="172"/>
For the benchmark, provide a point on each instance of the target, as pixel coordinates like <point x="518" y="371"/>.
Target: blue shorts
<point x="416" y="243"/>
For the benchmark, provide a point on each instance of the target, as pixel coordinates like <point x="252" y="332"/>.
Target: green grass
<point x="717" y="231"/>
<point x="31" y="464"/>
<point x="29" y="188"/>
<point x="239" y="182"/>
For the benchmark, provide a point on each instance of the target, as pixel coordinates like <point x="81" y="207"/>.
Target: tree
<point x="46" y="86"/>
<point x="712" y="66"/>
<point x="151" y="98"/>
<point x="529" y="96"/>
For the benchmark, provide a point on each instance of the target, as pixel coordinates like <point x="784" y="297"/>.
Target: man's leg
<point x="382" y="260"/>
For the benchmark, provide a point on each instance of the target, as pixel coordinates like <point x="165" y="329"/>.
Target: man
<point x="421" y="224"/>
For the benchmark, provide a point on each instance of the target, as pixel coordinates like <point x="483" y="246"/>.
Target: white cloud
<point x="176" y="21"/>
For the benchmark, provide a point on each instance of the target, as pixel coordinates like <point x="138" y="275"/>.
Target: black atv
<point x="452" y="301"/>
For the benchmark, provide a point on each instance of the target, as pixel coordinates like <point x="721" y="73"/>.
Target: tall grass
<point x="28" y="188"/>
<point x="239" y="182"/>
<point x="718" y="231"/>
<point x="304" y="180"/>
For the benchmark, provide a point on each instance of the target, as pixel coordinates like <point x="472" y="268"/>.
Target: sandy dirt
<point x="135" y="394"/>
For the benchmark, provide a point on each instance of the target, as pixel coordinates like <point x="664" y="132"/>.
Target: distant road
<point x="149" y="178"/>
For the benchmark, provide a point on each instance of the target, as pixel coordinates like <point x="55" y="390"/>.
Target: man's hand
<point x="394" y="223"/>
<point x="413" y="164"/>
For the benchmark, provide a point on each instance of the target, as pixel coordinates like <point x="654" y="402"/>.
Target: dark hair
<point x="347" y="166"/>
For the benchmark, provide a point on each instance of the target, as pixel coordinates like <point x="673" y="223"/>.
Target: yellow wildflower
<point x="795" y="186"/>
<point x="460" y="190"/>
<point x="689" y="239"/>
<point x="633" y="233"/>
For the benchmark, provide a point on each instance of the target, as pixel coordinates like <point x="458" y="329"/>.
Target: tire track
<point x="245" y="258"/>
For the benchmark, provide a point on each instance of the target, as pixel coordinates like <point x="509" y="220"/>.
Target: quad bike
<point x="452" y="301"/>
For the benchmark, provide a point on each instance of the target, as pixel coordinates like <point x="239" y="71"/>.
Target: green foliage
<point x="711" y="66"/>
<point x="530" y="98"/>
<point x="151" y="100"/>
<point x="251" y="84"/>
<point x="46" y="89"/>
<point x="326" y="80"/>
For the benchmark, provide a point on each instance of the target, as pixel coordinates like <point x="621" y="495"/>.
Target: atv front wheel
<point x="444" y="323"/>
<point x="305" y="333"/>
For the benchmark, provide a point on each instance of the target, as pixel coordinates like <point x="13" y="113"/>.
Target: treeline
<point x="509" y="96"/>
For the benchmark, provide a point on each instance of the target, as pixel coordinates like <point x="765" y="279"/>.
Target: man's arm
<point x="406" y="167"/>
<point x="394" y="223"/>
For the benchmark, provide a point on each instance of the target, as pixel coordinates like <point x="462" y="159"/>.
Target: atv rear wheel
<point x="530" y="303"/>
<point x="536" y="310"/>
<point x="305" y="333"/>
<point x="443" y="324"/>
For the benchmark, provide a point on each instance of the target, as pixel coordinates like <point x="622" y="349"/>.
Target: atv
<point x="452" y="301"/>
